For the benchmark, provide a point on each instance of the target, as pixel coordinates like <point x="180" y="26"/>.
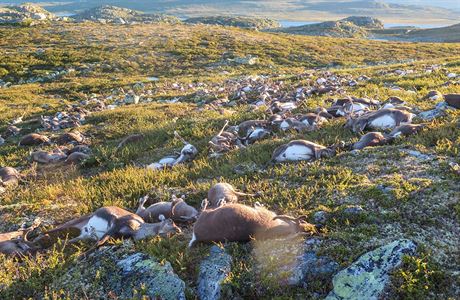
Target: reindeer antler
<point x="223" y="128"/>
<point x="177" y="135"/>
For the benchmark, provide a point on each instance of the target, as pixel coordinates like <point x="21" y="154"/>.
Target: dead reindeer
<point x="256" y="134"/>
<point x="293" y="124"/>
<point x="133" y="138"/>
<point x="9" y="177"/>
<point x="12" y="130"/>
<point x="406" y="130"/>
<point x="282" y="107"/>
<point x="393" y="102"/>
<point x="109" y="222"/>
<point x="241" y="223"/>
<point x="321" y="111"/>
<point x="187" y="153"/>
<point x="312" y="120"/>
<point x="16" y="243"/>
<point x="45" y="157"/>
<point x="357" y="107"/>
<point x="177" y="210"/>
<point x="225" y="141"/>
<point x="381" y="119"/>
<point x="76" y="158"/>
<point x="453" y="100"/>
<point x="371" y="139"/>
<point x="245" y="127"/>
<point x="34" y="139"/>
<point x="299" y="150"/>
<point x="223" y="192"/>
<point x="74" y="137"/>
<point x="80" y="148"/>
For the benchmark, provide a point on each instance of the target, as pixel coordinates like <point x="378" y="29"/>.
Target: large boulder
<point x="243" y="22"/>
<point x="368" y="277"/>
<point x="25" y="13"/>
<point x="119" y="272"/>
<point x="213" y="271"/>
<point x="366" y="22"/>
<point x="120" y="15"/>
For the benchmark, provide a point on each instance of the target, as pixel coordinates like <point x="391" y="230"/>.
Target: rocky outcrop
<point x="243" y="22"/>
<point x="342" y="29"/>
<point x="25" y="14"/>
<point x="366" y="22"/>
<point x="213" y="271"/>
<point x="118" y="15"/>
<point x="121" y="273"/>
<point x="368" y="277"/>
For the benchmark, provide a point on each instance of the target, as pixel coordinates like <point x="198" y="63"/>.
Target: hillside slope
<point x="393" y="208"/>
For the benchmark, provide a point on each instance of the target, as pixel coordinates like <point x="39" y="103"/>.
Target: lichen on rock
<point x="120" y="272"/>
<point x="367" y="277"/>
<point x="213" y="271"/>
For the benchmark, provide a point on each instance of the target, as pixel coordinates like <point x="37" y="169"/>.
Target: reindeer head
<point x="300" y="224"/>
<point x="167" y="226"/>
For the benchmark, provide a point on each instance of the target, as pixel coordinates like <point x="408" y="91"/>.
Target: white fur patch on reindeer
<point x="296" y="153"/>
<point x="96" y="227"/>
<point x="383" y="122"/>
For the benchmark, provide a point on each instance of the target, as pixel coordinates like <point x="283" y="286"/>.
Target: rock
<point x="27" y="14"/>
<point x="239" y="21"/>
<point x="366" y="22"/>
<point x="353" y="210"/>
<point x="367" y="277"/>
<point x="213" y="271"/>
<point x="118" y="15"/>
<point x="431" y="114"/>
<point x="320" y="217"/>
<point x="418" y="154"/>
<point x="293" y="261"/>
<point x="312" y="267"/>
<point x="248" y="60"/>
<point x="121" y="273"/>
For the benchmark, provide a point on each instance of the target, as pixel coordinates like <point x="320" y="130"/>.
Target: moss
<point x="419" y="278"/>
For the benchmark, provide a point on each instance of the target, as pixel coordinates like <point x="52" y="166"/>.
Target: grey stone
<point x="312" y="267"/>
<point x="367" y="277"/>
<point x="213" y="271"/>
<point x="418" y="154"/>
<point x="431" y="114"/>
<point x="320" y="217"/>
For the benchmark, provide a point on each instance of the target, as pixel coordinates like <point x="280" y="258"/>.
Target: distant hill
<point x="114" y="14"/>
<point x="243" y="22"/>
<point x="301" y="10"/>
<point x="351" y="27"/>
<point x="450" y="34"/>
<point x="26" y="13"/>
